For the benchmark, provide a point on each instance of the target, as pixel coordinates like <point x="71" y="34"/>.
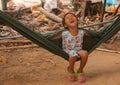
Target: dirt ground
<point x="37" y="66"/>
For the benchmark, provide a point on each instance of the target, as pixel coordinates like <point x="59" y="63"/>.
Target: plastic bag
<point x="94" y="1"/>
<point x="50" y="4"/>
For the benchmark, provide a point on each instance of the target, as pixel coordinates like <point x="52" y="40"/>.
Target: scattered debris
<point x="16" y="44"/>
<point x="38" y="19"/>
<point x="35" y="10"/>
<point x="3" y="59"/>
<point x="51" y="61"/>
<point x="20" y="4"/>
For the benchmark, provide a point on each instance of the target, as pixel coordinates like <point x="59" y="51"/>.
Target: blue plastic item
<point x="111" y="2"/>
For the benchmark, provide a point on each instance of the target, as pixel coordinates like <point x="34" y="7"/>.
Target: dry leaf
<point x="3" y="59"/>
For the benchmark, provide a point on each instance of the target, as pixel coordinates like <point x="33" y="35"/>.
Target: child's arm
<point x="57" y="37"/>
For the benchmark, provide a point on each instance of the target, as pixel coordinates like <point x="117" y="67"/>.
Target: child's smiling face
<point x="70" y="21"/>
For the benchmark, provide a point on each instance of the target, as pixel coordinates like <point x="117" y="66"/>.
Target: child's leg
<point x="72" y="61"/>
<point x="84" y="57"/>
<point x="71" y="74"/>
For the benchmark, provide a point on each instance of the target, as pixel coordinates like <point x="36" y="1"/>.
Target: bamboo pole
<point x="106" y="50"/>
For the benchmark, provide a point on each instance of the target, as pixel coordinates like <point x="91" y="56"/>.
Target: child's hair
<point x="63" y="20"/>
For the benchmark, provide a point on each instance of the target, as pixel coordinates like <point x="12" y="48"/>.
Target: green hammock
<point x="89" y="44"/>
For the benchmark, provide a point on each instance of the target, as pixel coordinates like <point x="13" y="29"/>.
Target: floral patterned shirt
<point x="72" y="44"/>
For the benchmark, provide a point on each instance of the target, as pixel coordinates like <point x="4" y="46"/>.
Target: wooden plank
<point x="1" y="5"/>
<point x="15" y="41"/>
<point x="19" y="47"/>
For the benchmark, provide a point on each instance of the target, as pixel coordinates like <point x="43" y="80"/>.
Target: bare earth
<point x="37" y="66"/>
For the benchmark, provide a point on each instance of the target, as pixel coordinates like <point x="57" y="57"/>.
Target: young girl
<point x="72" y="41"/>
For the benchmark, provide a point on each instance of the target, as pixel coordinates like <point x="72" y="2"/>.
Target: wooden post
<point x="3" y="4"/>
<point x="103" y="10"/>
<point x="116" y="10"/>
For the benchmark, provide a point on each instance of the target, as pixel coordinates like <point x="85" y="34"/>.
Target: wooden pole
<point x="103" y="10"/>
<point x="4" y="4"/>
<point x="100" y="23"/>
<point x="50" y="15"/>
<point x="116" y="10"/>
<point x="106" y="50"/>
<point x="1" y="5"/>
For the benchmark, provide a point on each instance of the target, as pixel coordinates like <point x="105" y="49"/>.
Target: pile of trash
<point x="20" y="4"/>
<point x="111" y="5"/>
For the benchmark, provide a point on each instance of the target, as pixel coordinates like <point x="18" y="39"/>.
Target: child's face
<point x="70" y="21"/>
